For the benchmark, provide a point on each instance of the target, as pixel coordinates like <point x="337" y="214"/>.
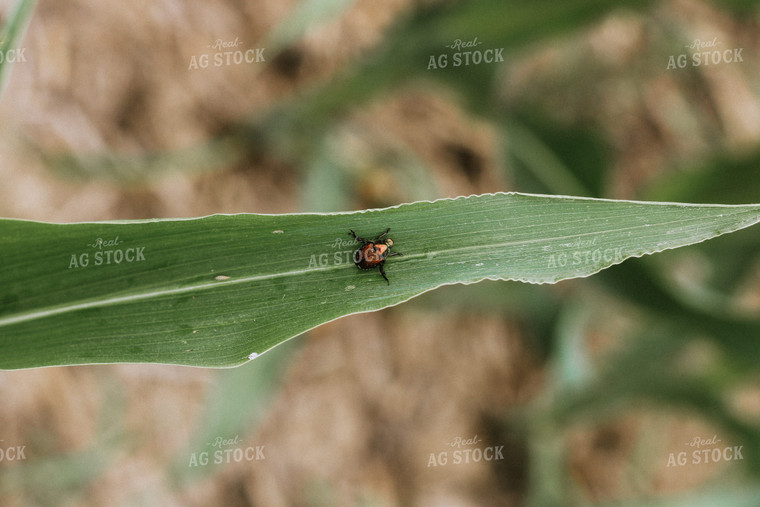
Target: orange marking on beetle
<point x="373" y="253"/>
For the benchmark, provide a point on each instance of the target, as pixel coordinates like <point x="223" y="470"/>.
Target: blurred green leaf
<point x="295" y="128"/>
<point x="236" y="403"/>
<point x="65" y="477"/>
<point x="563" y="158"/>
<point x="728" y="177"/>
<point x="534" y="157"/>
<point x="11" y="34"/>
<point x="573" y="366"/>
<point x="306" y="14"/>
<point x="405" y="55"/>
<point x="736" y="495"/>
<point x="326" y="186"/>
<point x="736" y="335"/>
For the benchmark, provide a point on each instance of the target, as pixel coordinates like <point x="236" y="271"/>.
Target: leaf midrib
<point x="98" y="303"/>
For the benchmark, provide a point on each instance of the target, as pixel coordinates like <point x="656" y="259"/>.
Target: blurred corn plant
<point x="12" y="32"/>
<point x="672" y="304"/>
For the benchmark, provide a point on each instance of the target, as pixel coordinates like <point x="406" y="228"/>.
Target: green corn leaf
<point x="305" y="15"/>
<point x="220" y="290"/>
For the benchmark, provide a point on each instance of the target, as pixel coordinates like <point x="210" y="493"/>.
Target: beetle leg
<point x="383" y="234"/>
<point x="357" y="238"/>
<point x="382" y="272"/>
<point x="393" y="253"/>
